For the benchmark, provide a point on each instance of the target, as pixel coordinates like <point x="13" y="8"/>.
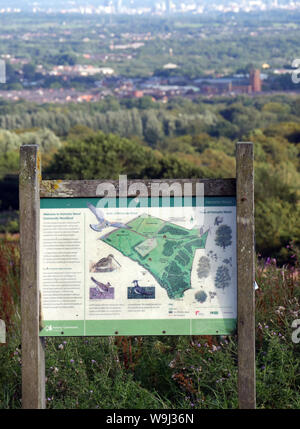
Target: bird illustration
<point x="101" y="287"/>
<point x="218" y="220"/>
<point x="108" y="263"/>
<point x="139" y="290"/>
<point x="103" y="223"/>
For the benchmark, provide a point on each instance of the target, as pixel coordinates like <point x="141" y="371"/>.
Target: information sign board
<point x="138" y="269"/>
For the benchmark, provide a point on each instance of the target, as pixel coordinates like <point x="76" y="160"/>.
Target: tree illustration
<point x="223" y="236"/>
<point x="228" y="261"/>
<point x="223" y="278"/>
<point x="203" y="267"/>
<point x="201" y="296"/>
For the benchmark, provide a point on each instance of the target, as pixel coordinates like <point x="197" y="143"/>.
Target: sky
<point x="67" y="4"/>
<point x="64" y="3"/>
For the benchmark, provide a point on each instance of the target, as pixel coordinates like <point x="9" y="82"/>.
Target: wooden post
<point x="33" y="355"/>
<point x="245" y="275"/>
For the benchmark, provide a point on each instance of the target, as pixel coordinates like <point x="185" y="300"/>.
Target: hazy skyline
<point x="27" y="5"/>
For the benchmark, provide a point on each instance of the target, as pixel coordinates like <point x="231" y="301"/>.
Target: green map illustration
<point x="164" y="249"/>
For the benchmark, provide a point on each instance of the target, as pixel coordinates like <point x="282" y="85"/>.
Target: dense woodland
<point x="179" y="139"/>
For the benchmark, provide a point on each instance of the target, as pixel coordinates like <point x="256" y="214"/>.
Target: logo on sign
<point x="49" y="328"/>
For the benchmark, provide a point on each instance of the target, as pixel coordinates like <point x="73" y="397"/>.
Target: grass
<point x="160" y="372"/>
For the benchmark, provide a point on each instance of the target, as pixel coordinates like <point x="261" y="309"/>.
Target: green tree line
<point x="198" y="149"/>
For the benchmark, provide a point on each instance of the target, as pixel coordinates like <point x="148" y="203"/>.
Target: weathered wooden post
<point x="33" y="357"/>
<point x="245" y="275"/>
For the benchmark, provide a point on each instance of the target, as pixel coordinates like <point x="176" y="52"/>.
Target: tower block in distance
<point x="255" y="80"/>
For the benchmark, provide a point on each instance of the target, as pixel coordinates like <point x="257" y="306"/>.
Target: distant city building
<point x="241" y="89"/>
<point x="170" y="66"/>
<point x="138" y="94"/>
<point x="106" y="70"/>
<point x="80" y="70"/>
<point x="119" y="6"/>
<point x="168" y="6"/>
<point x="255" y="80"/>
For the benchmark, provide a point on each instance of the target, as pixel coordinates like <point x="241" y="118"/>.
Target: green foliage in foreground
<point x="162" y="372"/>
<point x="165" y="373"/>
